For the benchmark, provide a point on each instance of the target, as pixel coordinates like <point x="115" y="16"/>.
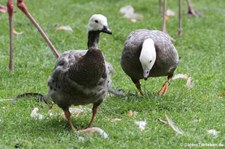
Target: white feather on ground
<point x="93" y="130"/>
<point x="141" y="124"/>
<point x="129" y="13"/>
<point x="36" y="115"/>
<point x="213" y="132"/>
<point x="189" y="83"/>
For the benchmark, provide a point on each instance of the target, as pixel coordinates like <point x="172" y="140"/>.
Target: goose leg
<point x="21" y="5"/>
<point x="190" y="9"/>
<point x="94" y="111"/>
<point x="165" y="86"/>
<point x="10" y="8"/>
<point x="138" y="86"/>
<point x="164" y="17"/>
<point x="67" y="115"/>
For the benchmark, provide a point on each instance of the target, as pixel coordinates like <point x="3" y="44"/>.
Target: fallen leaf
<point x="167" y="18"/>
<point x="16" y="33"/>
<point x="65" y="28"/>
<point x="222" y="94"/>
<point x="141" y="124"/>
<point x="173" y="126"/>
<point x="132" y="113"/>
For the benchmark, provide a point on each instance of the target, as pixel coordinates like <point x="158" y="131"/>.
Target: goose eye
<point x="150" y="61"/>
<point x="96" y="21"/>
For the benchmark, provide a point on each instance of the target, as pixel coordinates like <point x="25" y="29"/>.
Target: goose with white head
<point x="81" y="76"/>
<point x="97" y="24"/>
<point x="147" y="56"/>
<point x="149" y="53"/>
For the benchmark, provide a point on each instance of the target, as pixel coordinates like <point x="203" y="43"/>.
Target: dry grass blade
<point x="173" y="126"/>
<point x="9" y="99"/>
<point x="65" y="28"/>
<point x="162" y="121"/>
<point x="16" y="33"/>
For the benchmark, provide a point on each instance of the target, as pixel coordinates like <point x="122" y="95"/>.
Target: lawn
<point x="195" y="111"/>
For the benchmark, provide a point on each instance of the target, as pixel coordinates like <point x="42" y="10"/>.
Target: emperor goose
<point x="81" y="76"/>
<point x="149" y="53"/>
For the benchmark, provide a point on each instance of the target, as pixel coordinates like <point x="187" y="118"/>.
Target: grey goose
<point x="81" y="76"/>
<point x="149" y="53"/>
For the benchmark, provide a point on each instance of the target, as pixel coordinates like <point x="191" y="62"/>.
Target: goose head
<point x="98" y="22"/>
<point x="147" y="57"/>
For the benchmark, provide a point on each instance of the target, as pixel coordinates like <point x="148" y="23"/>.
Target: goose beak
<point x="106" y="30"/>
<point x="146" y="74"/>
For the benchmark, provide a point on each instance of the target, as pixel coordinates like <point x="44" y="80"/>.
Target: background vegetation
<point x="195" y="111"/>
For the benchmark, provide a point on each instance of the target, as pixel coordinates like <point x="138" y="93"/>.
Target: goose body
<point x="81" y="76"/>
<point x="165" y="61"/>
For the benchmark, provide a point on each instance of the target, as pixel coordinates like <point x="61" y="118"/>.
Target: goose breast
<point x="65" y="92"/>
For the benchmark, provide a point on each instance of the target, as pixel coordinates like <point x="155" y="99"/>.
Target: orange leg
<point x="94" y="111"/>
<point x="165" y="86"/>
<point x="138" y="86"/>
<point x="67" y="115"/>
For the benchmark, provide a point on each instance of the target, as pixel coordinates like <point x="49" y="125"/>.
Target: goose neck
<point x="93" y="39"/>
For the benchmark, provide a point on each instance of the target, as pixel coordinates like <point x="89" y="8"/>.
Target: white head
<point x="98" y="22"/>
<point x="147" y="56"/>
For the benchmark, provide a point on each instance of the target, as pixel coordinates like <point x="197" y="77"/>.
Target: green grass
<point x="196" y="110"/>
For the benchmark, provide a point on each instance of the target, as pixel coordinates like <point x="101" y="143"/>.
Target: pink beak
<point x="146" y="74"/>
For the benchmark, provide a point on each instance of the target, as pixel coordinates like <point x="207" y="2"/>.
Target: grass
<point x="195" y="110"/>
